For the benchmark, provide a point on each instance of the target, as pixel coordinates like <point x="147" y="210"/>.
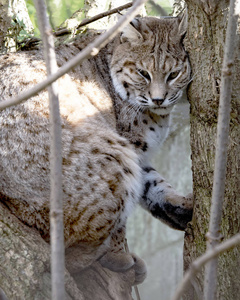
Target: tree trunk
<point x="25" y="262"/>
<point x="25" y="268"/>
<point x="206" y="36"/>
<point x="5" y="21"/>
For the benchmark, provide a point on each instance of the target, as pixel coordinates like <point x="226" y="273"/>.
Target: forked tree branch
<point x="197" y="265"/>
<point x="213" y="238"/>
<point x="56" y="205"/>
<point x="91" y="50"/>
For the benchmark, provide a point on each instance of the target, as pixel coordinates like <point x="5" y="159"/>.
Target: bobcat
<point x="115" y="112"/>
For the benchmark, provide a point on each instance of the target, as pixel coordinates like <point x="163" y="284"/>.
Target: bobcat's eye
<point x="173" y="75"/>
<point x="144" y="74"/>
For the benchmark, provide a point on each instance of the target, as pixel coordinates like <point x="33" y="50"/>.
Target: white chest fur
<point x="156" y="133"/>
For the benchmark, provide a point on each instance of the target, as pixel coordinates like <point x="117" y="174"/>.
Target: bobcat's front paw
<point x="163" y="202"/>
<point x="122" y="262"/>
<point x="178" y="211"/>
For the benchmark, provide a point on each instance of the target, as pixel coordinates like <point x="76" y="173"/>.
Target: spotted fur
<point x="115" y="111"/>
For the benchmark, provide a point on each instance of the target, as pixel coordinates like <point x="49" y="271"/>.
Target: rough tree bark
<point x="25" y="268"/>
<point x="5" y="21"/>
<point x="206" y="36"/>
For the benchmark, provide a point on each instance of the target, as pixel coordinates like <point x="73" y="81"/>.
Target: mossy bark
<point x="205" y="44"/>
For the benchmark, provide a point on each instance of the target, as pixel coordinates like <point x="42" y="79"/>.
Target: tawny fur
<point x="115" y="111"/>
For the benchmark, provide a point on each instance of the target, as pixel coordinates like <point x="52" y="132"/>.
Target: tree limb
<point x="91" y="50"/>
<point x="25" y="262"/>
<point x="201" y="261"/>
<point x="56" y="205"/>
<point x="95" y="18"/>
<point x="105" y="14"/>
<point x="210" y="284"/>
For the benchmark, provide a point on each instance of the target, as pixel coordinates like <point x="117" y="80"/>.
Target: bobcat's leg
<point x="118" y="260"/>
<point x="163" y="202"/>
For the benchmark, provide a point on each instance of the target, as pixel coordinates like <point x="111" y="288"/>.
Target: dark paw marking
<point x="180" y="216"/>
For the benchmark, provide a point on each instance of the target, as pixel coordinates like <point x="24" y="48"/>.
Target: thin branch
<point x="196" y="266"/>
<point x="56" y="206"/>
<point x="210" y="282"/>
<point x="91" y="50"/>
<point x="95" y="18"/>
<point x="105" y="14"/>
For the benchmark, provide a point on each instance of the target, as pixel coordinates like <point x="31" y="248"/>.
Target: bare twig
<point x="105" y="14"/>
<point x="62" y="31"/>
<point x="213" y="236"/>
<point x="196" y="266"/>
<point x="95" y="18"/>
<point x="56" y="206"/>
<point x="91" y="50"/>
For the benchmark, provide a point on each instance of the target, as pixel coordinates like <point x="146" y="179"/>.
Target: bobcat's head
<point x="150" y="67"/>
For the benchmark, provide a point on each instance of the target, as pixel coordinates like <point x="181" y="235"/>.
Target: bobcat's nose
<point x="157" y="101"/>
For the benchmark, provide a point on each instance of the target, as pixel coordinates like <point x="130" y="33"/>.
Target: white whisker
<point x="131" y="112"/>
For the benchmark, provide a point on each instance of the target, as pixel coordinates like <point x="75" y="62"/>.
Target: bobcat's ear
<point x="131" y="34"/>
<point x="183" y="24"/>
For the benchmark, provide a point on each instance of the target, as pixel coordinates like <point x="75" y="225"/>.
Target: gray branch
<point x="56" y="206"/>
<point x="105" y="14"/>
<point x="201" y="261"/>
<point x="213" y="236"/>
<point x="95" y="18"/>
<point x="91" y="50"/>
